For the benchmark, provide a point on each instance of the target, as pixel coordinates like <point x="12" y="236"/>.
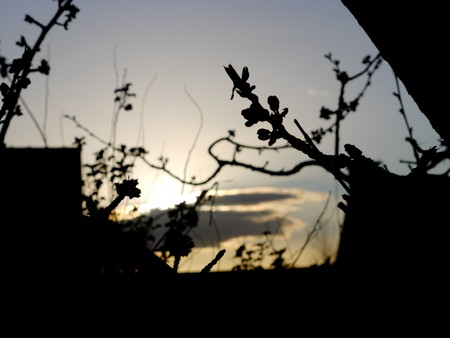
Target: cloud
<point x="247" y="213"/>
<point x="253" y="196"/>
<point x="241" y="216"/>
<point x="231" y="225"/>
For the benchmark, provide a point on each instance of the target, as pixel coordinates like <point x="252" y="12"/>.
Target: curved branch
<point x="200" y="127"/>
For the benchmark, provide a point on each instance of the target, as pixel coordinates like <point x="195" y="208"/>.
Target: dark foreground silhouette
<point x="392" y="255"/>
<point x="386" y="245"/>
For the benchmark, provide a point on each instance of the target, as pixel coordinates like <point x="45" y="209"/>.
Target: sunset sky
<point x="174" y="53"/>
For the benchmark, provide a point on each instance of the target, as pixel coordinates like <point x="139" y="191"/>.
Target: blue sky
<point x="173" y="53"/>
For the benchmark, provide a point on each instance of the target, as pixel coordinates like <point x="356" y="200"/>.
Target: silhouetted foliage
<point x="251" y="258"/>
<point x="109" y="245"/>
<point x="338" y="163"/>
<point x="113" y="165"/>
<point x="19" y="69"/>
<point x="350" y="170"/>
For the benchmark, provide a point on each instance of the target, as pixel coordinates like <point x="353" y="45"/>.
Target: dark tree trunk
<point x="412" y="38"/>
<point x="395" y="232"/>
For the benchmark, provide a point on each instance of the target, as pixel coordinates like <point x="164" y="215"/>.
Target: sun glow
<point x="164" y="193"/>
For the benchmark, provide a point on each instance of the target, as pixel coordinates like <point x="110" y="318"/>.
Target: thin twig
<point x="194" y="143"/>
<point x="312" y="232"/>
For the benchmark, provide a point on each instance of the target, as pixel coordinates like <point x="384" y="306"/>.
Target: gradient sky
<point x="173" y="53"/>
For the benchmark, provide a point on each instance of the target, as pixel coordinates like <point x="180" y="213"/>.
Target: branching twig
<point x="22" y="67"/>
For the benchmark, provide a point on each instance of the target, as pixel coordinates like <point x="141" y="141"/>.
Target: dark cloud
<point x="242" y="213"/>
<point x="227" y="225"/>
<point x="247" y="198"/>
<point x="221" y="226"/>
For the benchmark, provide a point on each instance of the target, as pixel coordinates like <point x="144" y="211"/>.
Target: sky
<point x="173" y="53"/>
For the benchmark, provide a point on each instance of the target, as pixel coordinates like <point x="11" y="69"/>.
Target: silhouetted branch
<point x="257" y="113"/>
<point x="397" y="94"/>
<point x="35" y="122"/>
<point x="22" y="67"/>
<point x="312" y="232"/>
<point x="345" y="106"/>
<point x="200" y="127"/>
<point x="141" y="133"/>
<point x="89" y="132"/>
<point x="425" y="160"/>
<point x="216" y="259"/>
